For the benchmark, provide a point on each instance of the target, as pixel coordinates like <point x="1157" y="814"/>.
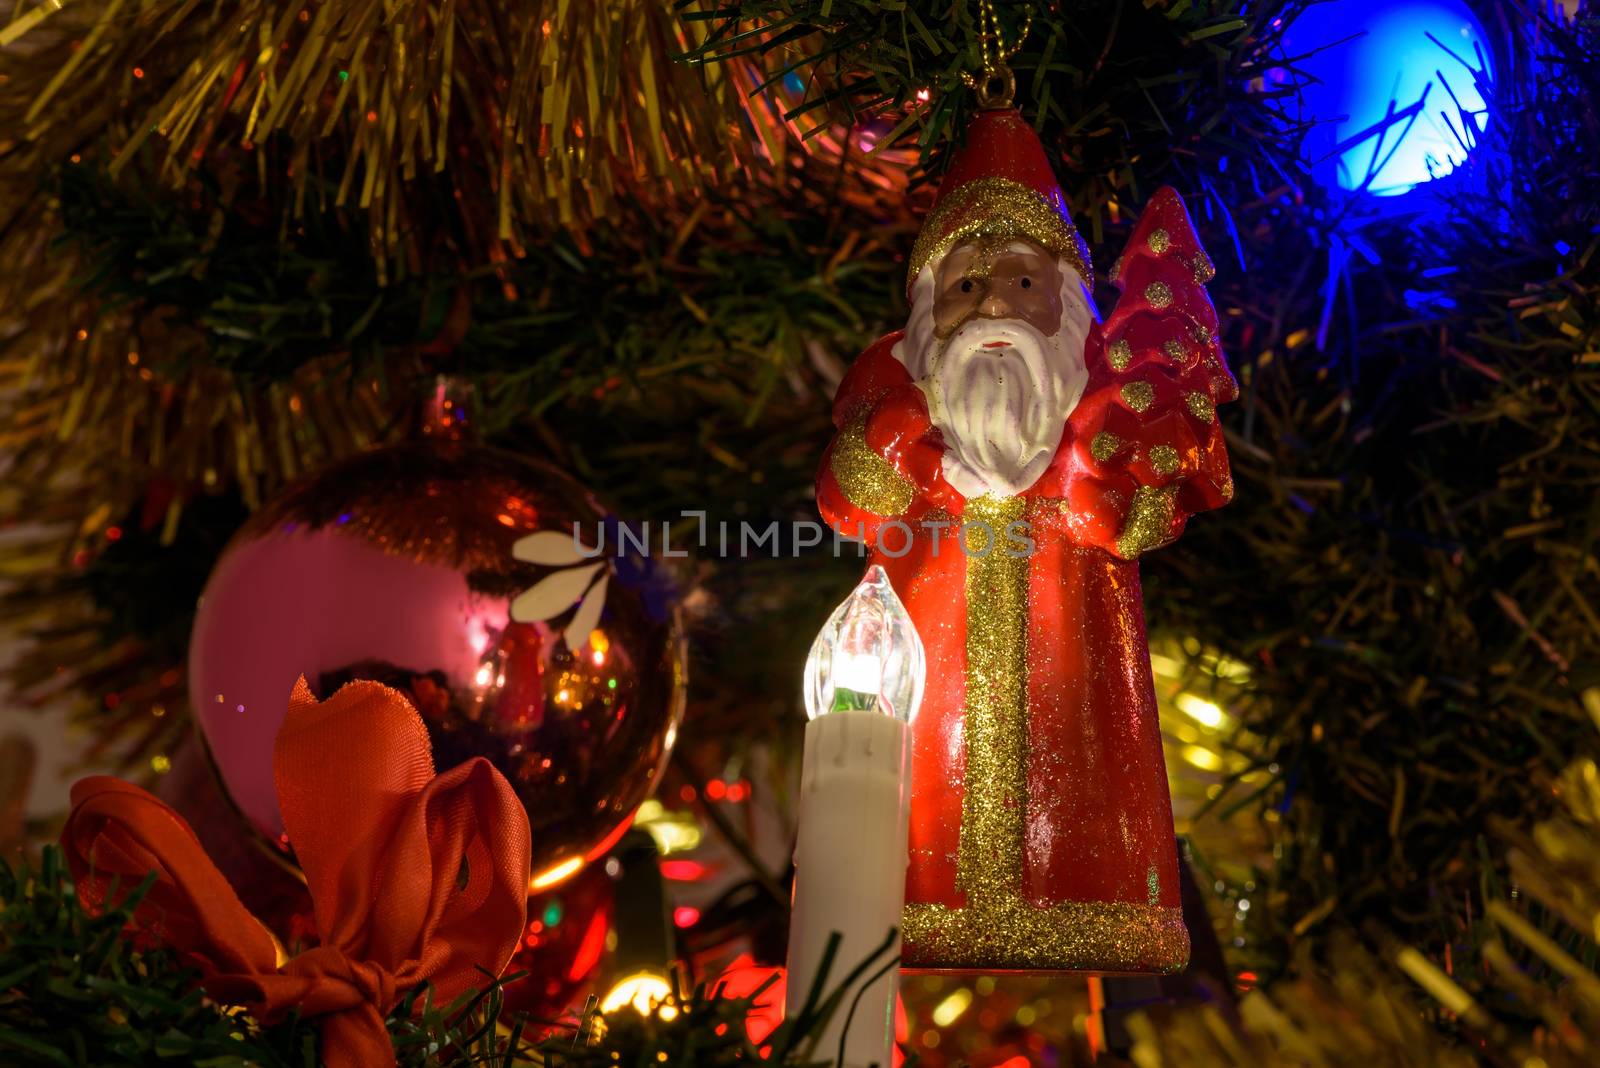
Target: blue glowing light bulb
<point x="1431" y="53"/>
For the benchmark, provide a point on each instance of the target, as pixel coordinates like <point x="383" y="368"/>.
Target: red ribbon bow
<point x="413" y="877"/>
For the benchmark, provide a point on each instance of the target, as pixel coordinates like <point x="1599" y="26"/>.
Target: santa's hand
<point x="900" y="430"/>
<point x="884" y="463"/>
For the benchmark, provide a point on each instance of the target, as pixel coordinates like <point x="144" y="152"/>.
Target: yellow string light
<point x="647" y="993"/>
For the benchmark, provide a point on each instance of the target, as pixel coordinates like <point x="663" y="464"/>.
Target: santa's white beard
<point x="1001" y="410"/>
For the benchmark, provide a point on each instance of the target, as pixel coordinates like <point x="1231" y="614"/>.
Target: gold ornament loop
<point x="997" y="88"/>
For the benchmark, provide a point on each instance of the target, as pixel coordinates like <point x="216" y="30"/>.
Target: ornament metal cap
<point x="1000" y="185"/>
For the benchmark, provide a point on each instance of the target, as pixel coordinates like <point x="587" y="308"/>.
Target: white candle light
<point x="863" y="683"/>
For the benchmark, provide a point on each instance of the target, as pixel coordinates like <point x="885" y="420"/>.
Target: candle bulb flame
<point x="867" y="655"/>
<point x="863" y="683"/>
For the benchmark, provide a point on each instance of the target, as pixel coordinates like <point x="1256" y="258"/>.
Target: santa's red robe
<point x="1041" y="827"/>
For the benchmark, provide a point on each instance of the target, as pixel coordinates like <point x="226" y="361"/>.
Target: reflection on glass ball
<point x="399" y="566"/>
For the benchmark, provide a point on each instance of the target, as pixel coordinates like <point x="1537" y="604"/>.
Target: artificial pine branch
<point x="1407" y="567"/>
<point x="1520" y="987"/>
<point x="75" y="991"/>
<point x="1104" y="81"/>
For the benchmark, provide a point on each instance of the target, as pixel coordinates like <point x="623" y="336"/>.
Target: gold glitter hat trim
<point x="998" y="207"/>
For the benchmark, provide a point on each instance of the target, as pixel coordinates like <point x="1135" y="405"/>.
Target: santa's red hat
<point x="1000" y="185"/>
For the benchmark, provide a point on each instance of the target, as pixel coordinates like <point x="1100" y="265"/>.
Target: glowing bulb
<point x="646" y="993"/>
<point x="1232" y="670"/>
<point x="1400" y="55"/>
<point x="1165" y="665"/>
<point x="867" y="655"/>
<point x="675" y="836"/>
<point x="649" y="809"/>
<point x="1198" y="708"/>
<point x="674" y="832"/>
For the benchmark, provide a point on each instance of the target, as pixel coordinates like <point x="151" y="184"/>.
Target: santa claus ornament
<point x="1008" y="457"/>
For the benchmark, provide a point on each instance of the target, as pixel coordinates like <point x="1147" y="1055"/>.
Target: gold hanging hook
<point x="997" y="85"/>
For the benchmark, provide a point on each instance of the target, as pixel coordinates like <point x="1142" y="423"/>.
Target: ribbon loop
<point x="383" y="842"/>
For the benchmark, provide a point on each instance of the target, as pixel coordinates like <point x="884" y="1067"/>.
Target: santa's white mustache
<point x="998" y="390"/>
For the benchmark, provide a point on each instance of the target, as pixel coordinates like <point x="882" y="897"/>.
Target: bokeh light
<point x="646" y="993"/>
<point x="1402" y="55"/>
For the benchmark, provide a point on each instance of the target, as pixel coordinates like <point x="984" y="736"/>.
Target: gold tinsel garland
<point x="555" y="110"/>
<point x="542" y="116"/>
<point x="150" y="447"/>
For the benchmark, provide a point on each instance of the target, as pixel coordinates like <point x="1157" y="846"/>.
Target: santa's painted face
<point x="995" y="340"/>
<point x="1015" y="280"/>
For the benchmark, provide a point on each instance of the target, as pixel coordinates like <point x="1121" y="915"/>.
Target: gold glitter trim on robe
<point x="1227" y="488"/>
<point x="1010" y="933"/>
<point x="1119" y="354"/>
<point x="866" y="479"/>
<point x="1202" y="334"/>
<point x="1164" y="460"/>
<point x="1138" y="395"/>
<point x="1104" y="446"/>
<point x="1160" y="241"/>
<point x="1200" y="406"/>
<point x="998" y="207"/>
<point x="1149" y="522"/>
<point x="1159" y="294"/>
<point x="1174" y="350"/>
<point x="998" y="928"/>
<point x="989" y="858"/>
<point x="1204" y="270"/>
